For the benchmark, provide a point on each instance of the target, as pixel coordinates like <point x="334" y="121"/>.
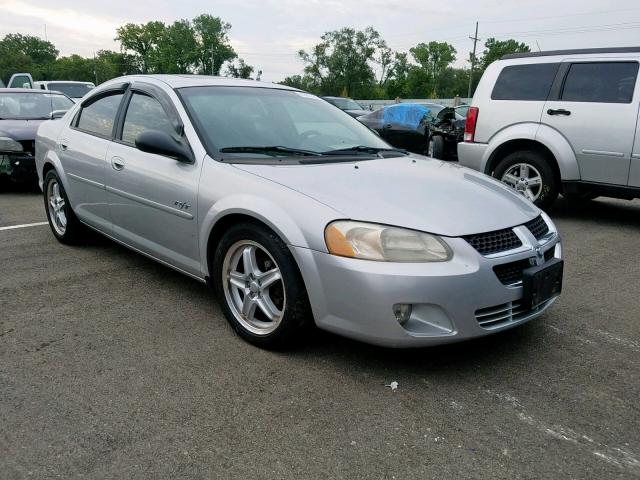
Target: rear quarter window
<point x="525" y="82"/>
<point x="601" y="82"/>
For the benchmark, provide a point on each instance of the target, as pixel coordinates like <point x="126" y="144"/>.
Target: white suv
<point x="555" y="122"/>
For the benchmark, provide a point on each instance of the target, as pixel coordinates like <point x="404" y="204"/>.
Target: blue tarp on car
<point x="405" y="114"/>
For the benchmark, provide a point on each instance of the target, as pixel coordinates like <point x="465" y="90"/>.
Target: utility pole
<point x="473" y="60"/>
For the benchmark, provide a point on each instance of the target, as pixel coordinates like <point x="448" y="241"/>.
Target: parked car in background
<point x="462" y="110"/>
<point x="444" y="132"/>
<point x="348" y="105"/>
<point x="404" y="125"/>
<point x="563" y="121"/>
<point x="20" y="80"/>
<point x="73" y="90"/>
<point x="296" y="213"/>
<point x="21" y="113"/>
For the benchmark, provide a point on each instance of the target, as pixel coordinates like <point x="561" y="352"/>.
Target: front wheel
<point x="531" y="175"/>
<point x="260" y="288"/>
<point x="435" y="147"/>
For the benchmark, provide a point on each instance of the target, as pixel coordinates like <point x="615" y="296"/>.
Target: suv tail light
<point x="470" y="126"/>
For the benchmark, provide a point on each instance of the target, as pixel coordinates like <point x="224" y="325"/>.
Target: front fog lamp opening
<point x="402" y="312"/>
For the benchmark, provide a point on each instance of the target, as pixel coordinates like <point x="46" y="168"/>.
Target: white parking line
<point x="24" y="225"/>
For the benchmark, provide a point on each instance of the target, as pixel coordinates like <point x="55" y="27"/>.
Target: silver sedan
<point x="296" y="214"/>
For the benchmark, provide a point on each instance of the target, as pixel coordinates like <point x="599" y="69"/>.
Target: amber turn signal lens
<point x="337" y="244"/>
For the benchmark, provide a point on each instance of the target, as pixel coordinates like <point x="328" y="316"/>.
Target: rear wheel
<point x="531" y="175"/>
<point x="260" y="288"/>
<point x="63" y="222"/>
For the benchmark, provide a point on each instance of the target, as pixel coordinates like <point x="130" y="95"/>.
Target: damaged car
<point x="21" y="113"/>
<point x="444" y="132"/>
<point x="404" y="125"/>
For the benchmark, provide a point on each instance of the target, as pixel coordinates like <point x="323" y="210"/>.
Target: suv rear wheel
<point x="530" y="174"/>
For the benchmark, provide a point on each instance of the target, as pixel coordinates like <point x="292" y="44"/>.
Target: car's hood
<point x="19" y="129"/>
<point x="414" y="192"/>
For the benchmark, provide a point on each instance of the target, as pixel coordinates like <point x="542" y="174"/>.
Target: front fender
<point x="254" y="206"/>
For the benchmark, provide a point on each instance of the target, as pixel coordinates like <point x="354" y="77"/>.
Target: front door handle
<point x="64" y="144"/>
<point x="559" y="111"/>
<point x="117" y="163"/>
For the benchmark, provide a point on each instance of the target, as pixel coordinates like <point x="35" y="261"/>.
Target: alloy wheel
<point x="56" y="205"/>
<point x="525" y="179"/>
<point x="253" y="287"/>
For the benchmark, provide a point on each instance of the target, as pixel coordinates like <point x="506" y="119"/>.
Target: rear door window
<point x="602" y="82"/>
<point x="98" y="117"/>
<point x="530" y="82"/>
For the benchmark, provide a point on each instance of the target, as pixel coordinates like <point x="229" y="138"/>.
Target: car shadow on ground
<point x="603" y="212"/>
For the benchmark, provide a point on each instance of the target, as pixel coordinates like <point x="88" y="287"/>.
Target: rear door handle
<point x="559" y="111"/>
<point x="117" y="163"/>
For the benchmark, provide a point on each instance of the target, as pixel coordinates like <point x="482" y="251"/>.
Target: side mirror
<point x="56" y="114"/>
<point x="161" y="143"/>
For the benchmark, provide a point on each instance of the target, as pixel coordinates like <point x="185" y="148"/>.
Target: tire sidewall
<point x="50" y="176"/>
<point x="550" y="189"/>
<point x="296" y="302"/>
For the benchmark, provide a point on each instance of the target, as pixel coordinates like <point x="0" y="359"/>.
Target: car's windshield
<point x="228" y="117"/>
<point x="73" y="90"/>
<point x="345" y="103"/>
<point x="31" y="106"/>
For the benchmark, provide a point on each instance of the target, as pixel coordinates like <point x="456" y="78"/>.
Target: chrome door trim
<point x="93" y="183"/>
<point x="602" y="152"/>
<point x="150" y="203"/>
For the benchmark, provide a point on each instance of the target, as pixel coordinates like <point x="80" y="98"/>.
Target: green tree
<point x="143" y="40"/>
<point x="341" y="62"/>
<point x="434" y="58"/>
<point x="25" y="53"/>
<point x="239" y="69"/>
<point x="495" y="49"/>
<point x="212" y="36"/>
<point x="177" y="49"/>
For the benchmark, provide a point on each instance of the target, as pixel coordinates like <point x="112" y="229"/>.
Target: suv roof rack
<point x="576" y="51"/>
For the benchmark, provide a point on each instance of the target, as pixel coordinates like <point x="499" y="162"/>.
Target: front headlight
<point x="9" y="145"/>
<point x="370" y="241"/>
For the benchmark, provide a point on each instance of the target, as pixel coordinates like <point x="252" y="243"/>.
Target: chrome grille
<point x="494" y="242"/>
<point x="501" y="315"/>
<point x="538" y="227"/>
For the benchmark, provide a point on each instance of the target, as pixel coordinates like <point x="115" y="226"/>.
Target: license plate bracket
<point x="542" y="283"/>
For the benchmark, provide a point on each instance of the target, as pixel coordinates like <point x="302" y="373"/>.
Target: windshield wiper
<point x="363" y="149"/>
<point x="271" y="149"/>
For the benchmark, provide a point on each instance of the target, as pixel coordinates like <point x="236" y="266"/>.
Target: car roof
<point x="30" y="90"/>
<point x="576" y="51"/>
<point x="182" y="81"/>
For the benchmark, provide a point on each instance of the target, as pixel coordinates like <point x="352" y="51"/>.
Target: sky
<point x="268" y="33"/>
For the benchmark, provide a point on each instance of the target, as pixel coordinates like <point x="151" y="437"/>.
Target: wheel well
<point x="47" y="166"/>
<point x="518" y="145"/>
<point x="222" y="226"/>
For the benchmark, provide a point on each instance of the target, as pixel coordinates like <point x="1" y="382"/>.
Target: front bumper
<point x="355" y="298"/>
<point x="20" y="167"/>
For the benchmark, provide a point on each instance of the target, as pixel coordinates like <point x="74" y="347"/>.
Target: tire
<point x="245" y="299"/>
<point x="59" y="211"/>
<point x="436" y="147"/>
<point x="512" y="170"/>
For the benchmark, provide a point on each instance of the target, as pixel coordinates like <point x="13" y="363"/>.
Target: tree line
<point x="346" y="62"/>
<point x="359" y="64"/>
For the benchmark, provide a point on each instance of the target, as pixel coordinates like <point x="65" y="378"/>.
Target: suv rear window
<point x="525" y="82"/>
<point x="604" y="82"/>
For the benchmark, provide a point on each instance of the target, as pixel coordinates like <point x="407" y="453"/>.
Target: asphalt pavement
<point x="113" y="366"/>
